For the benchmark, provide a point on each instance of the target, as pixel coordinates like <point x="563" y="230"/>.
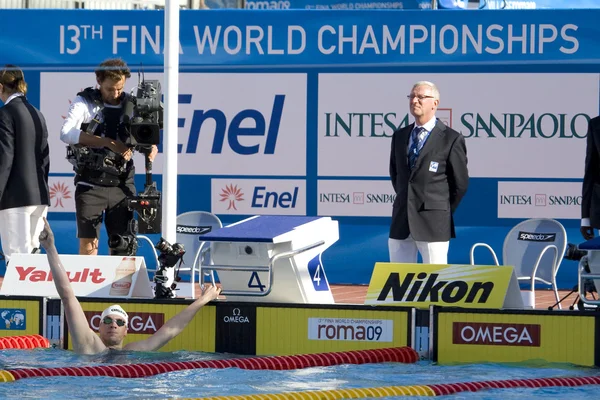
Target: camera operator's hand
<point x="587" y="232"/>
<point x="153" y="152"/>
<point x="47" y="236"/>
<point x="120" y="148"/>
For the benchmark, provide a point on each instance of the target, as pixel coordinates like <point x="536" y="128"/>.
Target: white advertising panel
<point x="539" y="200"/>
<point x="90" y="276"/>
<point x="355" y="198"/>
<point x="258" y="196"/>
<point x="62" y="194"/>
<point x="515" y="125"/>
<point x="255" y="123"/>
<point x="348" y="329"/>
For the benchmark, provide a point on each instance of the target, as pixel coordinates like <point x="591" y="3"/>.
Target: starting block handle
<point x="268" y="268"/>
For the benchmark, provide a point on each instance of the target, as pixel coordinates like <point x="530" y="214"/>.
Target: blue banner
<point x="540" y="4"/>
<point x="304" y="38"/>
<point x="291" y="112"/>
<point x="339" y="4"/>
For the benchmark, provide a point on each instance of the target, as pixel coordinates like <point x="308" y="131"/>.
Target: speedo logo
<point x="427" y="288"/>
<point x="537" y="237"/>
<point x="193" y="230"/>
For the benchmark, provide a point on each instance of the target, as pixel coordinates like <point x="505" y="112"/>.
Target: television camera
<point x="572" y="253"/>
<point x="143" y="114"/>
<point x="143" y="117"/>
<point x="166" y="277"/>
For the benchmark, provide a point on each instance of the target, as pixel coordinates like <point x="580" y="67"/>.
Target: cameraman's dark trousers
<point x="95" y="203"/>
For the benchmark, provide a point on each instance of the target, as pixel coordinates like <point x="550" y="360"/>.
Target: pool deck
<point x="353" y="294"/>
<point x="356" y="294"/>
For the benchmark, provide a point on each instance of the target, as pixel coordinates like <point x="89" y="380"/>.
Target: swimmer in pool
<point x="113" y="325"/>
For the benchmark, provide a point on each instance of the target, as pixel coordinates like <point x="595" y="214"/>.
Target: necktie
<point x="415" y="147"/>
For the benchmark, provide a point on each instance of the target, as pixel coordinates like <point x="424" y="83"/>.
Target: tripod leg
<point x="563" y="298"/>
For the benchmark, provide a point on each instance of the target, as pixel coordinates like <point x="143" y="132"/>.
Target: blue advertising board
<point x="300" y="39"/>
<point x="322" y="92"/>
<point x="338" y="5"/>
<point x="540" y="4"/>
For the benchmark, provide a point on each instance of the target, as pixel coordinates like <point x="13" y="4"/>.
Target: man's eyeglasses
<point x="420" y="98"/>
<point x="109" y="320"/>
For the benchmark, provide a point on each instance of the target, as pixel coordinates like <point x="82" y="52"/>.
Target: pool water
<point x="227" y="382"/>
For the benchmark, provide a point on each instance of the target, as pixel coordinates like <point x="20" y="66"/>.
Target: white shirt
<point x="12" y="96"/>
<point x="81" y="111"/>
<point x="586" y="222"/>
<point x="428" y="126"/>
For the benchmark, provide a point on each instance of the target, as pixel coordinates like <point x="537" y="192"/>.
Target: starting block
<point x="274" y="259"/>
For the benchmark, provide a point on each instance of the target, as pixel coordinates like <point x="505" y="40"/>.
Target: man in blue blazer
<point x="428" y="169"/>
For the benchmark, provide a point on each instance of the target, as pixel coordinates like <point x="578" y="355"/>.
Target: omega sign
<point x="496" y="334"/>
<point x="142" y="323"/>
<point x="236" y="317"/>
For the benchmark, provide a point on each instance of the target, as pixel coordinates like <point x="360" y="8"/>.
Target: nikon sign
<point x="422" y="285"/>
<point x="513" y="123"/>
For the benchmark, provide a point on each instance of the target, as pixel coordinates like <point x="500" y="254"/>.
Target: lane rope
<point x="395" y="354"/>
<point x="442" y="389"/>
<point x="24" y="342"/>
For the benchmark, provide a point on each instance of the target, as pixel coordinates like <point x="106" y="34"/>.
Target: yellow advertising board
<point x="146" y="318"/>
<point x="20" y="316"/>
<point x="423" y="285"/>
<point x="505" y="336"/>
<point x="299" y="330"/>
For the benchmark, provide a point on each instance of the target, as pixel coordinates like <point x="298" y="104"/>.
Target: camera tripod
<point x="578" y="300"/>
<point x="146" y="214"/>
<point x="147" y="204"/>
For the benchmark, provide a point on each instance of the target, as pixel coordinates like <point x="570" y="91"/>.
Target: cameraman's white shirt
<point x="80" y="112"/>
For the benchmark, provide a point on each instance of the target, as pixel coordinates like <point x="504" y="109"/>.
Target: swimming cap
<point x="116" y="310"/>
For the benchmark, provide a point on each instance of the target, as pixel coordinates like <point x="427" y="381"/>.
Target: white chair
<point x="190" y="228"/>
<point x="534" y="248"/>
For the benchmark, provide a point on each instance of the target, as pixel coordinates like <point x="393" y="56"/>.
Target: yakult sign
<point x="92" y="276"/>
<point x="507" y="133"/>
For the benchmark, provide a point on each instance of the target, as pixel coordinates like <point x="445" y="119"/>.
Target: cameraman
<point x="95" y="120"/>
<point x="590" y="201"/>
